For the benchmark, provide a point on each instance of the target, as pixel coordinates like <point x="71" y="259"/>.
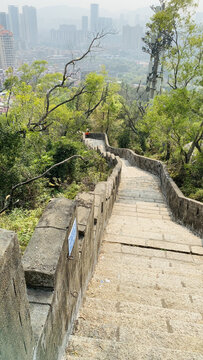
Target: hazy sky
<point x="110" y="5"/>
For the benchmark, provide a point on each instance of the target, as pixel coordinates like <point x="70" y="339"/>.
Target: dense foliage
<point x="64" y="181"/>
<point x="47" y="113"/>
<point x="29" y="145"/>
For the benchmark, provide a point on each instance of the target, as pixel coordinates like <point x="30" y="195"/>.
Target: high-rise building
<point x="132" y="38"/>
<point x="14" y="23"/>
<point x="7" y="57"/>
<point x="66" y="37"/>
<point x="94" y="17"/>
<point x="29" y="29"/>
<point x="85" y="24"/>
<point x="137" y="19"/>
<point x="3" y="20"/>
<point x="128" y="37"/>
<point x="105" y="24"/>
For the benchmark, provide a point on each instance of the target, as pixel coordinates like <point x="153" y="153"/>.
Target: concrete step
<point x="129" y="331"/>
<point x="171" y="258"/>
<point x="150" y="227"/>
<point x="133" y="200"/>
<point x="115" y="250"/>
<point x="84" y="348"/>
<point x="138" y="311"/>
<point x="155" y="298"/>
<point x="130" y="192"/>
<point x="146" y="264"/>
<point x="142" y="206"/>
<point x="137" y="215"/>
<point x="150" y="254"/>
<point x="142" y="186"/>
<point x="150" y="279"/>
<point x="161" y="238"/>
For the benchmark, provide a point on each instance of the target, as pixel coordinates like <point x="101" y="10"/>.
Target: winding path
<point x="145" y="301"/>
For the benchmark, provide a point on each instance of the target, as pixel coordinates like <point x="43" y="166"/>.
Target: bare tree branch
<point x="199" y="58"/>
<point x="177" y="65"/>
<point x="103" y="97"/>
<point x="131" y="119"/>
<point x="198" y="137"/>
<point x="42" y="123"/>
<point x="8" y="102"/>
<point x="36" y="178"/>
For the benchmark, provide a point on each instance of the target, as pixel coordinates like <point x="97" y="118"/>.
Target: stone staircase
<point x="145" y="301"/>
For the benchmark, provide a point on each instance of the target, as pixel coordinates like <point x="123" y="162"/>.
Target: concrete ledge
<point x="43" y="252"/>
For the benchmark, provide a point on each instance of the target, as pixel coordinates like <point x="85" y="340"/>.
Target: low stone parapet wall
<point x="35" y="323"/>
<point x="187" y="211"/>
<point x="16" y="335"/>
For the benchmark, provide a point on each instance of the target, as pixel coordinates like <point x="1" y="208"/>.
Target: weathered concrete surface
<point x="40" y="304"/>
<point x="52" y="277"/>
<point x="16" y="338"/>
<point x="145" y="300"/>
<point x="41" y="260"/>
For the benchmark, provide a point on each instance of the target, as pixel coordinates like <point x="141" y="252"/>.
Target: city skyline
<point x="104" y="4"/>
<point x="23" y="25"/>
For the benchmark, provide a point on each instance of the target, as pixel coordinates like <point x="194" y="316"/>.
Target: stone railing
<point x="38" y="304"/>
<point x="187" y="211"/>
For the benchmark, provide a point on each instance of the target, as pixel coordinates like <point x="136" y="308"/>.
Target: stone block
<point x="39" y="313"/>
<point x="16" y="338"/>
<point x="42" y="256"/>
<point x="57" y="214"/>
<point x="40" y="296"/>
<point x="168" y="246"/>
<point x="197" y="250"/>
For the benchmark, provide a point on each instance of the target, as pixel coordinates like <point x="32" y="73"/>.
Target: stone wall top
<point x="43" y="252"/>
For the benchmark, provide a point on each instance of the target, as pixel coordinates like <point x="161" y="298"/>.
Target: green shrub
<point x="124" y="139"/>
<point x="68" y="182"/>
<point x="198" y="195"/>
<point x="61" y="150"/>
<point x="23" y="222"/>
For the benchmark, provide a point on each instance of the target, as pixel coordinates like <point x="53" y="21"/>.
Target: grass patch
<point x="23" y="222"/>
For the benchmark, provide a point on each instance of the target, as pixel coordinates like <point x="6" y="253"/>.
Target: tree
<point x="42" y="109"/>
<point x="106" y="116"/>
<point x="157" y="39"/>
<point x="28" y="181"/>
<point x="171" y="40"/>
<point x="37" y="102"/>
<point x="174" y="124"/>
<point x="9" y="83"/>
<point x="132" y="110"/>
<point x="183" y="61"/>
